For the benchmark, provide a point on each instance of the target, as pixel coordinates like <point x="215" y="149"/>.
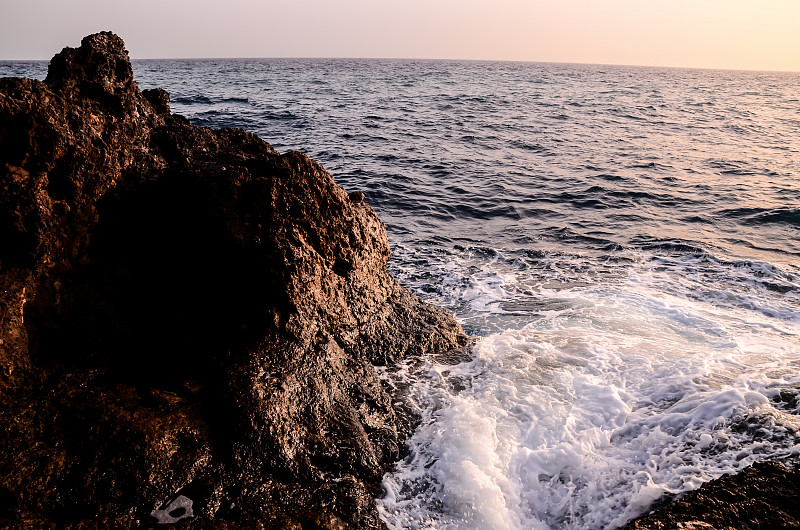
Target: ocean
<point x="625" y="241"/>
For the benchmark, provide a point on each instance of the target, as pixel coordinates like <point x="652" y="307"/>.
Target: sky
<point x="729" y="34"/>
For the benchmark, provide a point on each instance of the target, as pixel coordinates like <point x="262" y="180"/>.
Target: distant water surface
<point x="626" y="240"/>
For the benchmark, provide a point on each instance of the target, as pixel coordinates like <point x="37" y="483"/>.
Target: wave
<point x="669" y="246"/>
<point x="790" y="216"/>
<point x="201" y="99"/>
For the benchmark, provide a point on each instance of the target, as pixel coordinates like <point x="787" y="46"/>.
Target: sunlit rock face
<point x="189" y="319"/>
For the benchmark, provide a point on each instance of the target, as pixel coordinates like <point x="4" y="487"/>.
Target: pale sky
<point x="734" y="34"/>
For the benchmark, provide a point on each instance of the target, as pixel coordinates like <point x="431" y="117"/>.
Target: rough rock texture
<point x="763" y="496"/>
<point x="188" y="320"/>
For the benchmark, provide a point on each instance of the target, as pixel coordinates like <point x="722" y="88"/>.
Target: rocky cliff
<point x="188" y="319"/>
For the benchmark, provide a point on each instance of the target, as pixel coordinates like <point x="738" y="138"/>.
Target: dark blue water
<point x="626" y="240"/>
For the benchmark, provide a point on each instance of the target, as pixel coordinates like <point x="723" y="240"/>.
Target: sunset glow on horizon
<point x="727" y="34"/>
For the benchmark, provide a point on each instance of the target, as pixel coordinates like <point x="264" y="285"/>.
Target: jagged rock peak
<point x="101" y="62"/>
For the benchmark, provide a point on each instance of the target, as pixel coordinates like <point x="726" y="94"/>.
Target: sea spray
<point x="615" y="392"/>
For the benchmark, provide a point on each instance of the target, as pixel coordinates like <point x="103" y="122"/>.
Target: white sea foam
<point x="609" y="396"/>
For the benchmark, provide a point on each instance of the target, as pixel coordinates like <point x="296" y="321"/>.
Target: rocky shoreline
<point x="189" y="319"/>
<point x="189" y="322"/>
<point x="763" y="496"/>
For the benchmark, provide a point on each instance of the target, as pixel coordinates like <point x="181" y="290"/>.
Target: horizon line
<point x="436" y="59"/>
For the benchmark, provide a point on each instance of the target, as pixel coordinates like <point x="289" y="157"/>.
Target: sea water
<point x="625" y="242"/>
<point x="598" y="387"/>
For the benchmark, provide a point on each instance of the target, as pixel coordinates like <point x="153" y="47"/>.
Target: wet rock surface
<point x="188" y="319"/>
<point x="763" y="496"/>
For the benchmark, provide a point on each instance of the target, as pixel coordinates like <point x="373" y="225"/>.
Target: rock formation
<point x="188" y="319"/>
<point x="762" y="497"/>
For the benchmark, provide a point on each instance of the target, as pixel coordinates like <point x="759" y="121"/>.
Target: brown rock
<point x="189" y="319"/>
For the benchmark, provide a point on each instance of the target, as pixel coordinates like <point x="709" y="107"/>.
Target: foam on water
<point x="648" y="380"/>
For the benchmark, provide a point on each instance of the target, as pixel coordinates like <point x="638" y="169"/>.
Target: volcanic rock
<point x="188" y="319"/>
